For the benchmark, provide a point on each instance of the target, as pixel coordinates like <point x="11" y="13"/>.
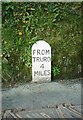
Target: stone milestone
<point x="41" y="62"/>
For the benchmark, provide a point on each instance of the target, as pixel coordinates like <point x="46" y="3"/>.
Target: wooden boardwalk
<point x="57" y="111"/>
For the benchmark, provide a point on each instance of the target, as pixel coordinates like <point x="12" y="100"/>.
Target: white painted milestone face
<point x="41" y="61"/>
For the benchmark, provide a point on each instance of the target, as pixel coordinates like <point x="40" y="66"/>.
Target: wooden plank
<point x="45" y="115"/>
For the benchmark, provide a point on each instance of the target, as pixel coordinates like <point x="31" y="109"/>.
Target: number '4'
<point x="42" y="66"/>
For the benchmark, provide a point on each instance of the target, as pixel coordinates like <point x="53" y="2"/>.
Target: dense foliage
<point x="25" y="23"/>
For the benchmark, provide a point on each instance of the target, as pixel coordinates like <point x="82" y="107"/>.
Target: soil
<point x="37" y="95"/>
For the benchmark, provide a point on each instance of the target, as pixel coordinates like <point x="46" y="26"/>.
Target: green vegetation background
<point x="25" y="23"/>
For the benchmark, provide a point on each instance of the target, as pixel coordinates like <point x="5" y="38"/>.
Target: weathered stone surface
<point x="41" y="62"/>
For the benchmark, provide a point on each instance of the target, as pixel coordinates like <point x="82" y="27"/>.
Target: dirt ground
<point x="37" y="95"/>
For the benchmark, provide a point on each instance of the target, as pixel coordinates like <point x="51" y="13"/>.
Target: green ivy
<point x="24" y="23"/>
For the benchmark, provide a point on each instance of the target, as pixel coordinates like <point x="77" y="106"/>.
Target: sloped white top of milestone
<point x="41" y="43"/>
